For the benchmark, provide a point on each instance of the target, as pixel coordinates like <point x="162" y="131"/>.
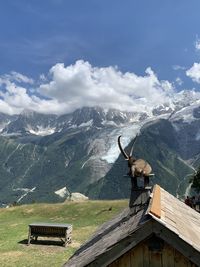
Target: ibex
<point x="137" y="167"/>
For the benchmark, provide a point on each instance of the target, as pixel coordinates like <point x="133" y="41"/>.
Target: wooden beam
<point x="155" y="208"/>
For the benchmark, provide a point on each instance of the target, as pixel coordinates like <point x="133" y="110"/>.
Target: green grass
<point x="84" y="216"/>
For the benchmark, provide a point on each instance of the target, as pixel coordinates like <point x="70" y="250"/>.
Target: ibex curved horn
<point x="131" y="152"/>
<point x="121" y="149"/>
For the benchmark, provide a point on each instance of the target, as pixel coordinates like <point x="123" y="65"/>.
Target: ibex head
<point x="137" y="167"/>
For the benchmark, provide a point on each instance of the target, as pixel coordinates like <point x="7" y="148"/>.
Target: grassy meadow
<point x="84" y="216"/>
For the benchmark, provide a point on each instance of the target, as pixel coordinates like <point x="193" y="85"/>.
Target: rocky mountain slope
<point x="43" y="157"/>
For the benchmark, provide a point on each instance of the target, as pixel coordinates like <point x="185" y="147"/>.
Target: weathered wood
<point x="137" y="256"/>
<point x="139" y="198"/>
<point x="130" y="235"/>
<point x="50" y="230"/>
<point x="155" y="208"/>
<point x="180" y="260"/>
<point x="175" y="241"/>
<point x="124" y="246"/>
<point x="145" y="254"/>
<point x="168" y="256"/>
<point x="29" y="236"/>
<point x="155" y="259"/>
<point x="125" y="260"/>
<point x="142" y="256"/>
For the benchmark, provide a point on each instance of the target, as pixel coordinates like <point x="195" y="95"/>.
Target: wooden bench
<point x="50" y="230"/>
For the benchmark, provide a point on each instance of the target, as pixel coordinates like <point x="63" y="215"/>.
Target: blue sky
<point x="133" y="35"/>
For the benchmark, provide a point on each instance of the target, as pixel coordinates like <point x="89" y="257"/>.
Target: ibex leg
<point x="134" y="182"/>
<point x="146" y="181"/>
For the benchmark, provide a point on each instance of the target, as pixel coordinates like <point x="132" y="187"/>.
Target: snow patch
<point x="86" y="124"/>
<point x="11" y="134"/>
<point x="1" y="128"/>
<point x="62" y="192"/>
<point x="42" y="131"/>
<point x="3" y="125"/>
<point x="83" y="165"/>
<point x="107" y="123"/>
<point x="185" y="114"/>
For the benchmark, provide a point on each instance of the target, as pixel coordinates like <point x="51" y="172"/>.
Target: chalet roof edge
<point x="163" y="216"/>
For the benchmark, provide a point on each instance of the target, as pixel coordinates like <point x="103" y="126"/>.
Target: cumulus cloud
<point x="194" y="72"/>
<point x="81" y="84"/>
<point x="14" y="98"/>
<point x="17" y="77"/>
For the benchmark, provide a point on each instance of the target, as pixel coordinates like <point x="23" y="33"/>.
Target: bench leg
<point x="29" y="236"/>
<point x="65" y="244"/>
<point x="67" y="239"/>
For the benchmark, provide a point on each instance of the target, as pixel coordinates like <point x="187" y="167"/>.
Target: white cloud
<point x="80" y="85"/>
<point x="179" y="81"/>
<point x="6" y="108"/>
<point x="14" y="98"/>
<point x="18" y="77"/>
<point x="194" y="72"/>
<point x="197" y="43"/>
<point x="178" y="67"/>
<point x="43" y="78"/>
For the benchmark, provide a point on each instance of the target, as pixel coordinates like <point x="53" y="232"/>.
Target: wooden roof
<point x="176" y="216"/>
<point x="165" y="216"/>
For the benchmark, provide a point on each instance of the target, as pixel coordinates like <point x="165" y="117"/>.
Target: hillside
<point x="45" y="154"/>
<point x="85" y="218"/>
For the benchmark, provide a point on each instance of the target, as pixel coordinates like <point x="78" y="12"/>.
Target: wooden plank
<point x="123" y="246"/>
<point x="114" y="264"/>
<point x="175" y="241"/>
<point x="155" y="259"/>
<point x="180" y="260"/>
<point x="125" y="260"/>
<point x="145" y="255"/>
<point x="137" y="256"/>
<point x="168" y="256"/>
<point x="156" y="202"/>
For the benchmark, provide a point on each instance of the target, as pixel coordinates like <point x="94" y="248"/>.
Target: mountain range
<point x="44" y="157"/>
